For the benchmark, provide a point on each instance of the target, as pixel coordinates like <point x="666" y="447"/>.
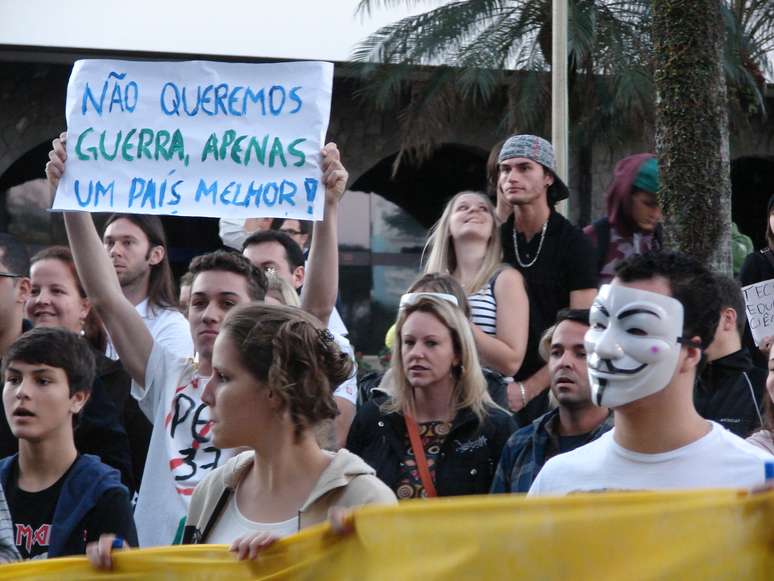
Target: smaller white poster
<point x="759" y="305"/>
<point x="196" y="138"/>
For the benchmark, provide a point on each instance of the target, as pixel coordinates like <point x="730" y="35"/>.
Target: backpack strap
<point x="192" y="535"/>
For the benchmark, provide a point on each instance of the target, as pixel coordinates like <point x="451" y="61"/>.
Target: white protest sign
<point x="196" y="138"/>
<point x="759" y="305"/>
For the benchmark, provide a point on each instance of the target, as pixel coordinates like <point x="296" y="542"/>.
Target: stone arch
<point x="422" y="189"/>
<point x="25" y="199"/>
<point x="32" y="98"/>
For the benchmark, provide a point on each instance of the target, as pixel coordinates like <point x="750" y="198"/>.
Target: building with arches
<point x="385" y="217"/>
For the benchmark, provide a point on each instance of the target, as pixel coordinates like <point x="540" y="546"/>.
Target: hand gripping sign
<point x="759" y="306"/>
<point x="196" y="138"/>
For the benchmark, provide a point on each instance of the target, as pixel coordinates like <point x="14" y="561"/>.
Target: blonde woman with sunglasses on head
<point x="437" y="432"/>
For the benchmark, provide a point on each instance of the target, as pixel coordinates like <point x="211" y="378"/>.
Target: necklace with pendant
<point x="537" y="254"/>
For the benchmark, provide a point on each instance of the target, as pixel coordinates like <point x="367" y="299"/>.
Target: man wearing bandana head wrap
<point x="554" y="257"/>
<point x="648" y="330"/>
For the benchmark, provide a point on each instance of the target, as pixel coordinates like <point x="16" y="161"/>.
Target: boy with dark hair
<point x="276" y="251"/>
<point x="58" y="499"/>
<point x="648" y="330"/>
<point x="226" y="261"/>
<point x="731" y="389"/>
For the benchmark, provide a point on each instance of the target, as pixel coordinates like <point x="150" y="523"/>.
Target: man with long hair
<point x="137" y="246"/>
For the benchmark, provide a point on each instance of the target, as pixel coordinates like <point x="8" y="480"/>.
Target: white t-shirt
<point x="181" y="453"/>
<point x="168" y="327"/>
<point x="719" y="459"/>
<point x="336" y="323"/>
<point x="232" y="232"/>
<point x="232" y="524"/>
<point x="348" y="389"/>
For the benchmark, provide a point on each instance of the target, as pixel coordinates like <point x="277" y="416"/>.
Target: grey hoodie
<point x="347" y="482"/>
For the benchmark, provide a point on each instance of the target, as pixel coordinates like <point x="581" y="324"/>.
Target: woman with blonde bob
<point x="437" y="432"/>
<point x="465" y="244"/>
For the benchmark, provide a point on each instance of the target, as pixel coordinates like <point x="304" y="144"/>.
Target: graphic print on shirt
<point x="433" y="435"/>
<point x="187" y="424"/>
<point x="32" y="543"/>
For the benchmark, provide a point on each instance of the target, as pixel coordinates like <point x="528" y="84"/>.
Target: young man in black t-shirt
<point x="556" y="259"/>
<point x="58" y="499"/>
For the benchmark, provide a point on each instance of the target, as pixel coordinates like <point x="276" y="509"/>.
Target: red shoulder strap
<point x="419" y="455"/>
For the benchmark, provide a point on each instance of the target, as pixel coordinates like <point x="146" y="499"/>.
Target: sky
<point x="292" y="29"/>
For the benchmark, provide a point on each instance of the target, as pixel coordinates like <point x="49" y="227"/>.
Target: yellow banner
<point x="677" y="535"/>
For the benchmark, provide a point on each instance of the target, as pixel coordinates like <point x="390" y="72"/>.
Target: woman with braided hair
<point x="274" y="372"/>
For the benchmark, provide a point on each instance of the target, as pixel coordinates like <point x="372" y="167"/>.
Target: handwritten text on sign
<point x="196" y="138"/>
<point x="759" y="304"/>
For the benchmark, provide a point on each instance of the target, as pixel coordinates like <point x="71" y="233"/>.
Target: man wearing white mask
<point x="648" y="330"/>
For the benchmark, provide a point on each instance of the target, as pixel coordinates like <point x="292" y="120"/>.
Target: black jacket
<point x="99" y="429"/>
<point x="723" y="394"/>
<point x="469" y="454"/>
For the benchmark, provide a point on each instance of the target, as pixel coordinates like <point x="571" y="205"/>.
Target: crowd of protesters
<point x="232" y="412"/>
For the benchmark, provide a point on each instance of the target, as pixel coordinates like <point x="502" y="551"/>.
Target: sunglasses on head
<point x="410" y="299"/>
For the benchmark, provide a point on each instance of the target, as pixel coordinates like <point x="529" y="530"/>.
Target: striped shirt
<point x="8" y="551"/>
<point x="483" y="309"/>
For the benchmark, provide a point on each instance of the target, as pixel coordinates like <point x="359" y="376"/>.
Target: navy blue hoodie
<point x="87" y="482"/>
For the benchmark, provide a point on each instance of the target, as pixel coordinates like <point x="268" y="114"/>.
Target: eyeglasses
<point x="291" y="232"/>
<point x="11" y="275"/>
<point x="410" y="299"/>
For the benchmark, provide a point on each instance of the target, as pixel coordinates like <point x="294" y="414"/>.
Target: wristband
<point x="523" y="394"/>
<point x="118" y="543"/>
